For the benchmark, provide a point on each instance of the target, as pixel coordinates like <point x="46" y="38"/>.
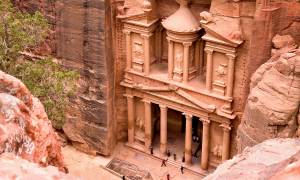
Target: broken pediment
<point x="138" y="10"/>
<point x="221" y="29"/>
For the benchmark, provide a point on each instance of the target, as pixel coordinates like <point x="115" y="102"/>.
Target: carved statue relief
<point x="221" y="72"/>
<point x="217" y="151"/>
<point x="178" y="62"/>
<point x="138" y="51"/>
<point x="139" y="123"/>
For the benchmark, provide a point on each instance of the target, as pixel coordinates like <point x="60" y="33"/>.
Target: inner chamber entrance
<point x="176" y="127"/>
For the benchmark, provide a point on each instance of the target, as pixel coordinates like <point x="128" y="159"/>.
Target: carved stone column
<point x="230" y="76"/>
<point x="170" y="59"/>
<point x="186" y="53"/>
<point x="197" y="55"/>
<point x="188" y="139"/>
<point x="128" y="49"/>
<point x="209" y="68"/>
<point x="148" y="125"/>
<point x="147" y="62"/>
<point x="131" y="123"/>
<point x="159" y="44"/>
<point x="163" y="129"/>
<point x="226" y="142"/>
<point x="205" y="143"/>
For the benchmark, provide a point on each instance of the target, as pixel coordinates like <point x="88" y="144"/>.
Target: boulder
<point x="25" y="129"/>
<point x="274" y="159"/>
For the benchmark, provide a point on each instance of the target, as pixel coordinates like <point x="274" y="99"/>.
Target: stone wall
<point x="83" y="39"/>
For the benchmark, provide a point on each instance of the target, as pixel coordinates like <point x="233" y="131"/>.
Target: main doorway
<point x="176" y="125"/>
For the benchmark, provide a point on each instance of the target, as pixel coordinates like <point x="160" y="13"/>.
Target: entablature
<point x="196" y="98"/>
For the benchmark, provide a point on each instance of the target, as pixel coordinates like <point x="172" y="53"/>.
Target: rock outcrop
<point x="275" y="159"/>
<point x="12" y="167"/>
<point x="25" y="129"/>
<point x="272" y="108"/>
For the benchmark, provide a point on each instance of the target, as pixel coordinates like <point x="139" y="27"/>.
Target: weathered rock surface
<point x="12" y="167"/>
<point x="275" y="158"/>
<point x="24" y="126"/>
<point x="272" y="108"/>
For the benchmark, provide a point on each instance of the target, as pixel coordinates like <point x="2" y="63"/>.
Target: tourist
<point x="151" y="150"/>
<point x="168" y="176"/>
<point x="163" y="163"/>
<point x="168" y="153"/>
<point x="174" y="156"/>
<point x="181" y="169"/>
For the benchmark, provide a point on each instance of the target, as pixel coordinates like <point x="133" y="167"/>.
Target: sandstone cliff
<point x="272" y="108"/>
<point x="25" y="129"/>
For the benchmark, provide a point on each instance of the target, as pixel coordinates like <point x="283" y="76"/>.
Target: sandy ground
<point x="91" y="168"/>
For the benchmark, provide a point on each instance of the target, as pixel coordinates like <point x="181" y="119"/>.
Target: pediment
<point x="224" y="30"/>
<point x="178" y="95"/>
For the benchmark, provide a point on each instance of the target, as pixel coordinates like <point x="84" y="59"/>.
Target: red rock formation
<point x="273" y="104"/>
<point x="277" y="159"/>
<point x="24" y="126"/>
<point x="12" y="167"/>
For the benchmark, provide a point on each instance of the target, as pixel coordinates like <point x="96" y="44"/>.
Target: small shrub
<point x="48" y="81"/>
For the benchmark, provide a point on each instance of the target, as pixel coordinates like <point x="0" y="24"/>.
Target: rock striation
<point x="25" y="129"/>
<point x="272" y="108"/>
<point x="12" y="167"/>
<point x="274" y="159"/>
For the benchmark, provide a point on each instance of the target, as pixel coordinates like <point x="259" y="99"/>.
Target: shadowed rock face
<point x="275" y="159"/>
<point x="25" y="129"/>
<point x="12" y="167"/>
<point x="272" y="108"/>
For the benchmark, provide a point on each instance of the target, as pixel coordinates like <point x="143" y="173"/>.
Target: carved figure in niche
<point x="217" y="151"/>
<point x="138" y="51"/>
<point x="139" y="123"/>
<point x="178" y="62"/>
<point x="221" y="72"/>
<point x="191" y="57"/>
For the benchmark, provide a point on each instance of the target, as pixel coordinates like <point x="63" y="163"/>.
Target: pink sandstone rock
<point x="24" y="126"/>
<point x="13" y="167"/>
<point x="272" y="108"/>
<point x="275" y="159"/>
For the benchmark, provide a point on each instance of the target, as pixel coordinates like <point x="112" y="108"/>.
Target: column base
<point x="163" y="149"/>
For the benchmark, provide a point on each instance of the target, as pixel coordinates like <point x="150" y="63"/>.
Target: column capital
<point x="188" y="115"/>
<point x="209" y="50"/>
<point x="231" y="56"/>
<point x="147" y="101"/>
<point x="169" y="40"/>
<point x="205" y="120"/>
<point x="187" y="44"/>
<point x="226" y="127"/>
<point x="127" y="32"/>
<point x="164" y="107"/>
<point x="147" y="36"/>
